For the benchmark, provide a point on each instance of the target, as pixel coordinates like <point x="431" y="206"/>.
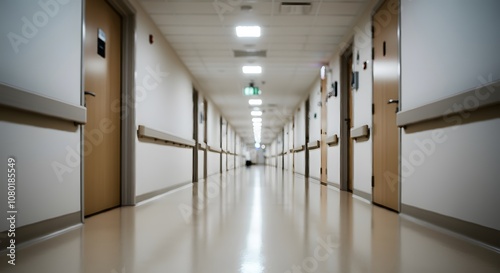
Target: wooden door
<point x="386" y="98"/>
<point x="102" y="68"/>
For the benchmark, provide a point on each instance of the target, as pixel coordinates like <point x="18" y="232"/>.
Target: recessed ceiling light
<point x="255" y="102"/>
<point x="252" y="69"/>
<point x="256" y="113"/>
<point x="256" y="119"/>
<point x="248" y="31"/>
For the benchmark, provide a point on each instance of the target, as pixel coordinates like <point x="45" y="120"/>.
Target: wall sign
<point x="101" y="43"/>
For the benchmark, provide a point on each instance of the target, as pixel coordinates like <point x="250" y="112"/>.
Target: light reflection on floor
<point x="252" y="221"/>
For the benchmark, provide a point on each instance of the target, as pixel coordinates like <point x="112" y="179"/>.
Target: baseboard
<point x="334" y="185"/>
<point x="155" y="193"/>
<point x="41" y="230"/>
<point x="363" y="194"/>
<point x="484" y="235"/>
<point x="149" y="195"/>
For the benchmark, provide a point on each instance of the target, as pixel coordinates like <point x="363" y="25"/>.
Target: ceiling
<point x="202" y="32"/>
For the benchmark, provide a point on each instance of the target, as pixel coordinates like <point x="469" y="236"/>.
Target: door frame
<point x="128" y="129"/>
<point x="323" y="128"/>
<point x="344" y="113"/>
<point x="195" y="134"/>
<point x="306" y="125"/>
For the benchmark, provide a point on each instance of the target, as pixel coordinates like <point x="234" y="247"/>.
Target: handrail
<point x="202" y="146"/>
<point x="360" y="132"/>
<point x="299" y="148"/>
<point x="146" y="132"/>
<point x="472" y="99"/>
<point x="332" y="140"/>
<point x="20" y="99"/>
<point x="214" y="149"/>
<point x="313" y="145"/>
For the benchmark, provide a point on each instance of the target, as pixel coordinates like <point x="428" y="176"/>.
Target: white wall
<point x="457" y="174"/>
<point x="299" y="137"/>
<point x="315" y="109"/>
<point x="201" y="116"/>
<point x="213" y="162"/>
<point x="39" y="143"/>
<point x="460" y="46"/>
<point x="315" y="128"/>
<point x="362" y="109"/>
<point x="300" y="161"/>
<point x="314" y="163"/>
<point x="333" y="122"/>
<point x="201" y="160"/>
<point x="29" y="58"/>
<point x="213" y="134"/>
<point x="213" y="123"/>
<point x="164" y="103"/>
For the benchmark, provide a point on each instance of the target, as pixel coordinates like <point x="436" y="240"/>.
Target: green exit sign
<point x="251" y="91"/>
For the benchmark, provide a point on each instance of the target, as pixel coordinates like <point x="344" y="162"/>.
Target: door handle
<point x="392" y="101"/>
<point x="90" y="93"/>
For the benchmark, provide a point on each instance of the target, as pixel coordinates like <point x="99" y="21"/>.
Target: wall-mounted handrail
<point x="214" y="149"/>
<point x="360" y="132"/>
<point x="299" y="148"/>
<point x="146" y="132"/>
<point x="202" y="146"/>
<point x="17" y="98"/>
<point x="332" y="140"/>
<point x="313" y="145"/>
<point x="472" y="99"/>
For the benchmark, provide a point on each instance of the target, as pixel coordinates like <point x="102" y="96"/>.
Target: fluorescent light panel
<point x="255" y="102"/>
<point x="256" y="119"/>
<point x="256" y="113"/>
<point x="248" y="31"/>
<point x="252" y="69"/>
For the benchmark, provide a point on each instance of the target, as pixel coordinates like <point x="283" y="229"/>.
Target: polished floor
<point x="251" y="221"/>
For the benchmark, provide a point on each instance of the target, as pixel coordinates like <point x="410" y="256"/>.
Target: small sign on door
<point x="101" y="43"/>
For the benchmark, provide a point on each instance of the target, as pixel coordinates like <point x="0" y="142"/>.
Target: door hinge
<point x="321" y="170"/>
<point x="373" y="53"/>
<point x="373" y="108"/>
<point x="373" y="181"/>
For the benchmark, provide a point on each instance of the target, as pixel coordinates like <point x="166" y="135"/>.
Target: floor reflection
<point x="253" y="220"/>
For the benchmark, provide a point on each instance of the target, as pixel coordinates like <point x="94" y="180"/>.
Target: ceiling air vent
<point x="246" y="8"/>
<point x="250" y="53"/>
<point x="295" y="8"/>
